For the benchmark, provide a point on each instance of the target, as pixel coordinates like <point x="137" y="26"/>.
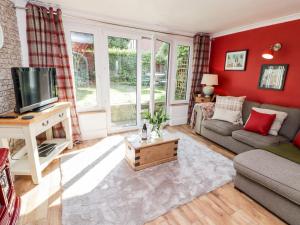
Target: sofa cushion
<point x="260" y="122"/>
<point x="296" y="141"/>
<point x="226" y="115"/>
<point x="280" y="118"/>
<point x="257" y="140"/>
<point x="291" y="125"/>
<point x="247" y="107"/>
<point x="271" y="171"/>
<point x="221" y="127"/>
<point x="286" y="150"/>
<point x="231" y="103"/>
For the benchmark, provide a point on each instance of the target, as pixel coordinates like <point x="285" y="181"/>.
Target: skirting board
<point x="89" y="135"/>
<point x="178" y="121"/>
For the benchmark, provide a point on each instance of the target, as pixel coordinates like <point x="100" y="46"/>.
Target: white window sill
<point x="91" y="110"/>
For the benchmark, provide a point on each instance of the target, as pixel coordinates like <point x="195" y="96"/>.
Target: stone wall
<point x="10" y="54"/>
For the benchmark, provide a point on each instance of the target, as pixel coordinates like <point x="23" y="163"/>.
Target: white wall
<point x="92" y="125"/>
<point x="178" y="114"/>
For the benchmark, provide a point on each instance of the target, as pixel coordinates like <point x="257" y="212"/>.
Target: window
<point x="83" y="53"/>
<point x="162" y="50"/>
<point x="127" y="73"/>
<point x="146" y="44"/>
<point x="182" y="71"/>
<point x="122" y="54"/>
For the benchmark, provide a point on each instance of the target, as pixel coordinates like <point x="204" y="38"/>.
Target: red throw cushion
<point x="297" y="140"/>
<point x="260" y="122"/>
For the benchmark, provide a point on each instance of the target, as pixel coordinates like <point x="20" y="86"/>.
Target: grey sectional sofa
<point x="271" y="180"/>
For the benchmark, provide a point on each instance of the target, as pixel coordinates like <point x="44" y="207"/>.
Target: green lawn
<point x="119" y="94"/>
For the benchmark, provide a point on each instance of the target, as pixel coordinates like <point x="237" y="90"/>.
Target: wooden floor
<point x="41" y="204"/>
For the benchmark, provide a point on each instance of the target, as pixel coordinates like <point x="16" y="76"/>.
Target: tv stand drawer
<point x="50" y="122"/>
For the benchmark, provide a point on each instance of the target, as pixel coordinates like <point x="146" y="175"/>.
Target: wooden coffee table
<point x="143" y="154"/>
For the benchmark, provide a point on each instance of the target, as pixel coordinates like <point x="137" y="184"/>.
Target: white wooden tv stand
<point x="27" y="161"/>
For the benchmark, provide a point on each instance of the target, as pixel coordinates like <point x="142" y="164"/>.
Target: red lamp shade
<point x="268" y="54"/>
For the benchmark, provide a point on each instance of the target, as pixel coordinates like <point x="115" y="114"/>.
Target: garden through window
<point x="162" y="50"/>
<point x="146" y="44"/>
<point x="182" y="71"/>
<point x="84" y="69"/>
<point x="122" y="55"/>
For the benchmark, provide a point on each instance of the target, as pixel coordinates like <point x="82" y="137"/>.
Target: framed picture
<point x="272" y="76"/>
<point x="236" y="60"/>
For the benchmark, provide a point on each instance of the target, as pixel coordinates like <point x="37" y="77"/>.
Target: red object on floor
<point x="260" y="122"/>
<point x="9" y="202"/>
<point x="297" y="140"/>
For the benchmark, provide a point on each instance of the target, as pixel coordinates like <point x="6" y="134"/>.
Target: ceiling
<point x="186" y="16"/>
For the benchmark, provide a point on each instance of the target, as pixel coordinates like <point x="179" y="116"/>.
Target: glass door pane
<point x="123" y="81"/>
<point x="182" y="71"/>
<point x="84" y="69"/>
<point x="146" y="44"/>
<point x="162" y="50"/>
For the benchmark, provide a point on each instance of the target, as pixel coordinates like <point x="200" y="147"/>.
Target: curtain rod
<point x="25" y="8"/>
<point x="104" y="22"/>
<point x="128" y="26"/>
<point x="115" y="24"/>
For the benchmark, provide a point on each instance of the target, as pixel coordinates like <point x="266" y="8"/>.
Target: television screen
<point x="34" y="87"/>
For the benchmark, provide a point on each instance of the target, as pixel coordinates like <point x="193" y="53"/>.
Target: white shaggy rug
<point x="101" y="189"/>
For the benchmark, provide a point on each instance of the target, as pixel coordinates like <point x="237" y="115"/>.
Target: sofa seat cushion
<point x="221" y="127"/>
<point x="271" y="171"/>
<point x="256" y="140"/>
<point x="286" y="150"/>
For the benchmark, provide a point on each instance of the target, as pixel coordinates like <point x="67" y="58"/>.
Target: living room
<point x="156" y="112"/>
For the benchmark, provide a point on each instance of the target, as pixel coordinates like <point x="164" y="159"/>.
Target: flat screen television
<point x="35" y="88"/>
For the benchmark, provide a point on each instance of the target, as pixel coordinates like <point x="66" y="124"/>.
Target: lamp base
<point x="208" y="90"/>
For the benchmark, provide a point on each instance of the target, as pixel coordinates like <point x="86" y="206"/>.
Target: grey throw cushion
<point x="273" y="172"/>
<point x="291" y="124"/>
<point x="256" y="140"/>
<point x="221" y="127"/>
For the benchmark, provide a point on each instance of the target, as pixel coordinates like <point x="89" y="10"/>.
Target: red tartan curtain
<point x="47" y="48"/>
<point x="200" y="66"/>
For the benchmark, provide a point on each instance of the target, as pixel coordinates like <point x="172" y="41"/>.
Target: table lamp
<point x="209" y="80"/>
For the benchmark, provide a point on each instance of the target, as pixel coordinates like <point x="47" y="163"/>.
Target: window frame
<point x="170" y="41"/>
<point x="95" y="31"/>
<point x="189" y="79"/>
<point x="100" y="32"/>
<point x="129" y="35"/>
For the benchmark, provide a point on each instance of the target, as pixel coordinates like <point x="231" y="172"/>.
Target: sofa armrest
<point x="201" y="111"/>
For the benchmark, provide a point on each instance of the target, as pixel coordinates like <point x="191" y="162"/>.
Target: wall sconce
<point x="269" y="53"/>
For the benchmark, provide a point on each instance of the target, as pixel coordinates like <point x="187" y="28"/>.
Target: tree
<point x="162" y="54"/>
<point x="119" y="43"/>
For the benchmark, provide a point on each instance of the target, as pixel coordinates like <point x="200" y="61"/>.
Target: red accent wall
<point x="239" y="83"/>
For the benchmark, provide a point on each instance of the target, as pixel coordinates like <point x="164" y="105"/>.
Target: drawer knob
<point x="61" y="115"/>
<point x="45" y="123"/>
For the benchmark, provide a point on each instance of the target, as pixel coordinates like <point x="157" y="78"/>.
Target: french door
<point x="122" y="54"/>
<point x="161" y="74"/>
<point x="138" y="77"/>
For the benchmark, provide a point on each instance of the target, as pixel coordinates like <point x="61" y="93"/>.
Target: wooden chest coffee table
<point x="144" y="154"/>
